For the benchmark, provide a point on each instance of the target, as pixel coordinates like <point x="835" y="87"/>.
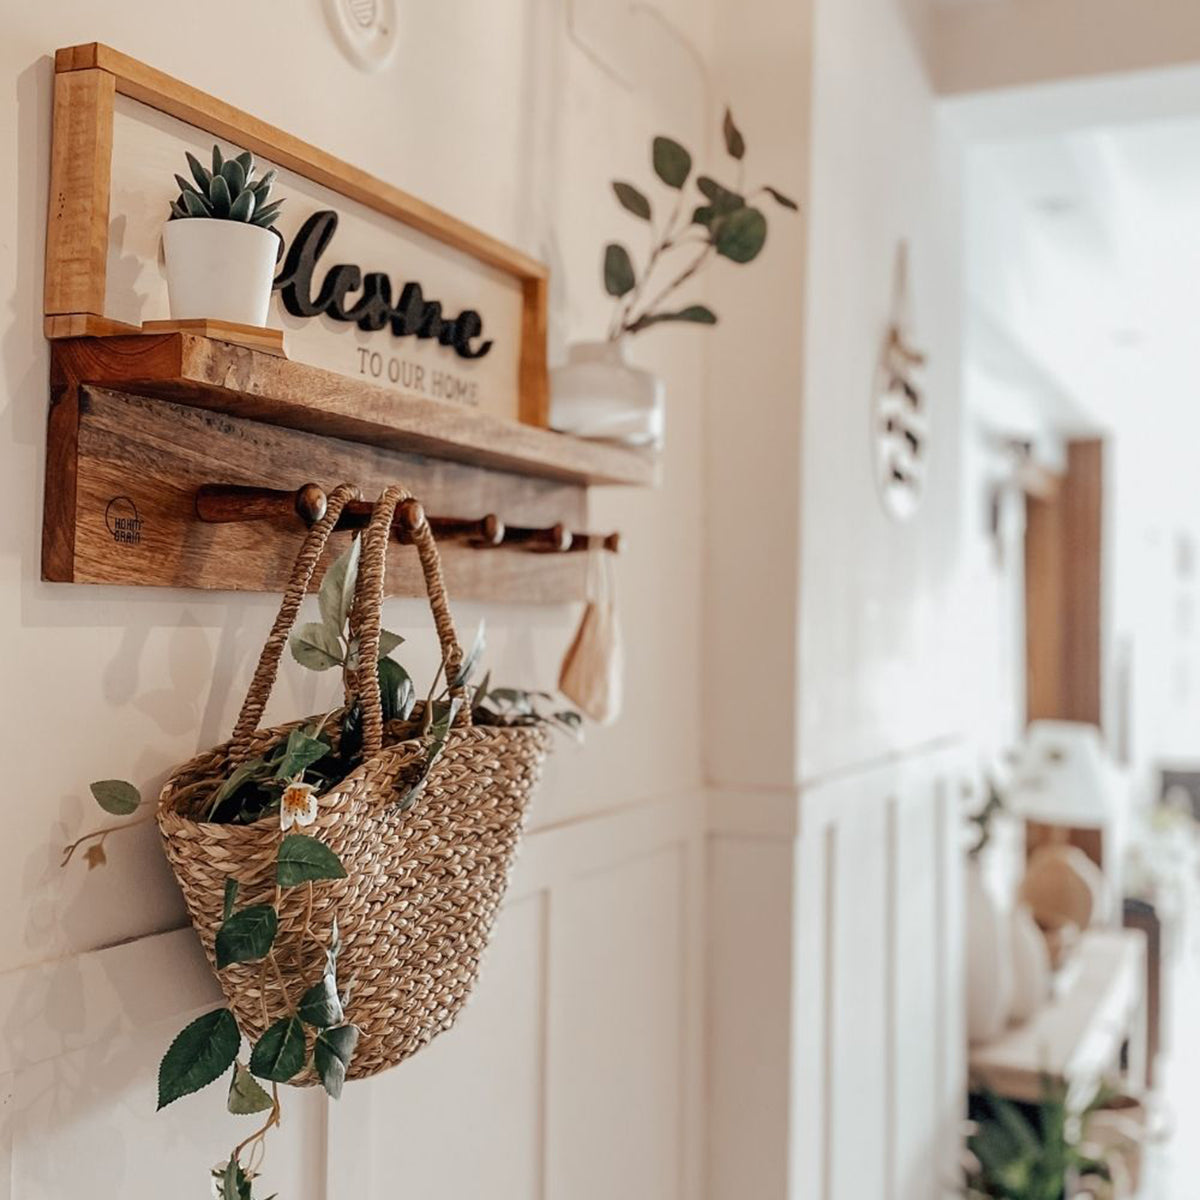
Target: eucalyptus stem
<point x="673" y="286"/>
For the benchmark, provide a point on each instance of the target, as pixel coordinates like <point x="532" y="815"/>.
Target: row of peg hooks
<point x="228" y="503"/>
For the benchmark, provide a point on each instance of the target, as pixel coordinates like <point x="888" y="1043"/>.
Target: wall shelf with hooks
<point x="147" y="415"/>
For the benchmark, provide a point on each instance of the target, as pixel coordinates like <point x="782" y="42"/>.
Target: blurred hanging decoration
<point x="366" y="30"/>
<point x="900" y="423"/>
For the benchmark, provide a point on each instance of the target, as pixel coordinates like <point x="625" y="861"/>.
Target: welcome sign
<point x="372" y="283"/>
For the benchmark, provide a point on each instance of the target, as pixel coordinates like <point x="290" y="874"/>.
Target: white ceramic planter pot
<point x="219" y="270"/>
<point x="598" y="394"/>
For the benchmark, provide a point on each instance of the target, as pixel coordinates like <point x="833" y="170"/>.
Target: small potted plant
<point x="219" y="243"/>
<point x="598" y="393"/>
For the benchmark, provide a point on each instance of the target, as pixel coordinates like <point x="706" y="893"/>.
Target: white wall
<point x="590" y="999"/>
<point x="835" y="1041"/>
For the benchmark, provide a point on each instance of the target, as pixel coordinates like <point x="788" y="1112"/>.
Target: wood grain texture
<point x="243" y="382"/>
<point x="1064" y="592"/>
<point x="74" y="325"/>
<point x="257" y="337"/>
<point x="108" y="69"/>
<point x="142" y="459"/>
<point x="77" y="218"/>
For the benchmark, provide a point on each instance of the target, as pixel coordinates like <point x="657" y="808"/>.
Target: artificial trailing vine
<point x="284" y="784"/>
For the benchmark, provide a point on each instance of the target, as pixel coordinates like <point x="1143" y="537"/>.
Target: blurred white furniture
<point x="1099" y="1009"/>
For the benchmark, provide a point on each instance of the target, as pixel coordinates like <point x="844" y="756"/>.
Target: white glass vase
<point x="598" y="394"/>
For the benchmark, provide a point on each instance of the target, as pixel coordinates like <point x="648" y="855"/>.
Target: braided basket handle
<point x="311" y="550"/>
<point x="367" y="613"/>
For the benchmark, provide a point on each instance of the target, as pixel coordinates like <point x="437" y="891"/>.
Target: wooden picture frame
<point x="88" y="78"/>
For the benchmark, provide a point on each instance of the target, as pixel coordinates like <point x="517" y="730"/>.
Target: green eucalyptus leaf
<point x="780" y="198"/>
<point x="303" y="858"/>
<point x="333" y="1051"/>
<point x="200" y="1054"/>
<point x="619" y="277"/>
<point x="235" y="175"/>
<point x="632" y="200"/>
<point x="116" y="796"/>
<point x="246" y="1094"/>
<point x="336" y="594"/>
<point x="734" y="142"/>
<point x="242" y="209"/>
<point x="316" y="646"/>
<point x="200" y="173"/>
<point x="231" y="895"/>
<point x="720" y="198"/>
<point x="197" y="206"/>
<point x="219" y="196"/>
<point x="246" y="936"/>
<point x="672" y="163"/>
<point x="742" y="235"/>
<point x="320" y="1006"/>
<point x="301" y="752"/>
<point x="695" y="314"/>
<point x="279" y="1054"/>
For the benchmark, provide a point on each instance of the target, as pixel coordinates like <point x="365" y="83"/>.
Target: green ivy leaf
<point x="231" y="894"/>
<point x="396" y="692"/>
<point x="246" y="1094"/>
<point x="303" y="858"/>
<point x="388" y="642"/>
<point x="333" y="1051"/>
<point x="254" y="768"/>
<point x="116" y="796"/>
<point x="632" y="200"/>
<point x="780" y="198"/>
<point x="320" y="1006"/>
<point x="279" y="1053"/>
<point x="672" y="163"/>
<point x="734" y="142"/>
<point x="619" y="277"/>
<point x="741" y="235"/>
<point x="247" y="935"/>
<point x="336" y="593"/>
<point x="316" y="646"/>
<point x="301" y="752"/>
<point x="201" y="1053"/>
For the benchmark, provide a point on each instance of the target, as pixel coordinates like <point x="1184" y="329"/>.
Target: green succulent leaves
<point x="200" y="1054"/>
<point x="228" y="192"/>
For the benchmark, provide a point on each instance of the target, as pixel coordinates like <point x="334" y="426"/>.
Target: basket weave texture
<point x="416" y="908"/>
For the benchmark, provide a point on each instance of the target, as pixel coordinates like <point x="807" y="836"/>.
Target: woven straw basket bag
<point x="422" y="888"/>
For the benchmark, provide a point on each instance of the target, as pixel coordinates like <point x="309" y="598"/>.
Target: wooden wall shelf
<point x="139" y="423"/>
<point x="222" y="377"/>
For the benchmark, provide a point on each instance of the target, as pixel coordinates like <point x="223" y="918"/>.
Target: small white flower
<point x="298" y="805"/>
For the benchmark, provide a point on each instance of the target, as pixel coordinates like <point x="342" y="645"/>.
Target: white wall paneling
<point x="581" y="1039"/>
<point x="835" y="986"/>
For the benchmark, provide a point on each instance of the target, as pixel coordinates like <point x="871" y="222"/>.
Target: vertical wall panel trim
<point x="827" y="1015"/>
<point x="543" y="1048"/>
<point x="891" y="925"/>
<point x="943" y="828"/>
